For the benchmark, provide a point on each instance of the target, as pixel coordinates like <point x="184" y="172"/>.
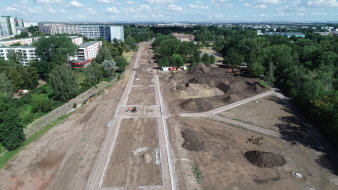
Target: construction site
<point x="206" y="128"/>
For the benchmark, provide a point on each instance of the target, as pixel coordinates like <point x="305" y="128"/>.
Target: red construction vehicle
<point x="131" y="110"/>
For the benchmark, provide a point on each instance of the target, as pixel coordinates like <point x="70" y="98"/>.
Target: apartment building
<point x="77" y="40"/>
<point x="117" y="32"/>
<point x="22" y="41"/>
<point x="27" y="52"/>
<point x="58" y="28"/>
<point x="89" y="50"/>
<point x="107" y="32"/>
<point x="11" y="26"/>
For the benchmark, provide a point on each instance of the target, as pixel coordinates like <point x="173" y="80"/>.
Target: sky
<point x="171" y="10"/>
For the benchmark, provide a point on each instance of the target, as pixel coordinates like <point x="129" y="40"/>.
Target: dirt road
<point x="137" y="153"/>
<point x="64" y="157"/>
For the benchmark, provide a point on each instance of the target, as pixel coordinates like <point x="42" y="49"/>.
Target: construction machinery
<point x="131" y="109"/>
<point x="255" y="140"/>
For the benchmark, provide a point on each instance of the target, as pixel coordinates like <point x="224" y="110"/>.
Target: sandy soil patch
<point x="133" y="161"/>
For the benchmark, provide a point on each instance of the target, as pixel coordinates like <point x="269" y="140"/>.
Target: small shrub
<point x="197" y="173"/>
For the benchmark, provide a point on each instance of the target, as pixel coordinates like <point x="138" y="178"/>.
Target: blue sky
<point x="171" y="10"/>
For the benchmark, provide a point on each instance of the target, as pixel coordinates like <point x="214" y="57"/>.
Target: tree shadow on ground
<point x="296" y="129"/>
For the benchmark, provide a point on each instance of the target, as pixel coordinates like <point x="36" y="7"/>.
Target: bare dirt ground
<point x="63" y="158"/>
<point x="216" y="87"/>
<point x="142" y="96"/>
<point x="218" y="149"/>
<point x="134" y="155"/>
<point x="273" y="113"/>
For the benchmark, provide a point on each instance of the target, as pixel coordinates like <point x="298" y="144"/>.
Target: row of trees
<point x="171" y="52"/>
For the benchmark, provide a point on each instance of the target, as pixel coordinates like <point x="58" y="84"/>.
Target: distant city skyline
<point x="172" y="10"/>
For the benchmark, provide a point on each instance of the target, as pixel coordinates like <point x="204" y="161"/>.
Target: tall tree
<point x="6" y="86"/>
<point x="11" y="131"/>
<point x="63" y="82"/>
<point x="55" y="49"/>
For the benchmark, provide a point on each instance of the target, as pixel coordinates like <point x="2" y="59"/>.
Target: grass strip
<point x="10" y="154"/>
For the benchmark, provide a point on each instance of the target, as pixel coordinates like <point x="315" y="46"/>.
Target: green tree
<point x="177" y="60"/>
<point x="109" y="67"/>
<point x="94" y="73"/>
<point x="256" y="69"/>
<point x="121" y="62"/>
<point x="206" y="59"/>
<point x="55" y="49"/>
<point x="11" y="131"/>
<point x="15" y="57"/>
<point x="43" y="68"/>
<point x="6" y="86"/>
<point x="233" y="57"/>
<point x="41" y="103"/>
<point x="104" y="54"/>
<point x="63" y="82"/>
<point x="30" y="77"/>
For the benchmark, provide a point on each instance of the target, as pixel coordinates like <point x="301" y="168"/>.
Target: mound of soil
<point x="246" y="86"/>
<point x="264" y="159"/>
<point x="200" y="68"/>
<point x="196" y="105"/>
<point x="191" y="90"/>
<point x="191" y="141"/>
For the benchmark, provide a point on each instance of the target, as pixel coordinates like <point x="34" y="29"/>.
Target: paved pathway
<point x="212" y="114"/>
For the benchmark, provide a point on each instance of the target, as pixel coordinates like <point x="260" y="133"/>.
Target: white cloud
<point x="300" y="14"/>
<point x="319" y="14"/>
<point x="34" y="10"/>
<point x="81" y="16"/>
<point x="269" y="1"/>
<point x="75" y="4"/>
<point x="247" y="4"/>
<point x="130" y="2"/>
<point x="260" y="6"/>
<point x="11" y="9"/>
<point x="51" y="10"/>
<point x="144" y="6"/>
<point x="173" y="7"/>
<point x="112" y="10"/>
<point x="107" y="1"/>
<point x="322" y="3"/>
<point x="160" y="1"/>
<point x="198" y="6"/>
<point x="48" y="1"/>
<point x="91" y="10"/>
<point x="221" y="3"/>
<point x="130" y="10"/>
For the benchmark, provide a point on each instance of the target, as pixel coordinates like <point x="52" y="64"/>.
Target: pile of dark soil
<point x="200" y="68"/>
<point x="191" y="141"/>
<point x="264" y="159"/>
<point x="196" y="105"/>
<point x="246" y="86"/>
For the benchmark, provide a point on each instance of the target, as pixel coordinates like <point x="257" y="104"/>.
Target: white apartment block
<point x="117" y="32"/>
<point x="89" y="50"/>
<point x="77" y="40"/>
<point x="22" y="41"/>
<point x="28" y="53"/>
<point x="58" y="28"/>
